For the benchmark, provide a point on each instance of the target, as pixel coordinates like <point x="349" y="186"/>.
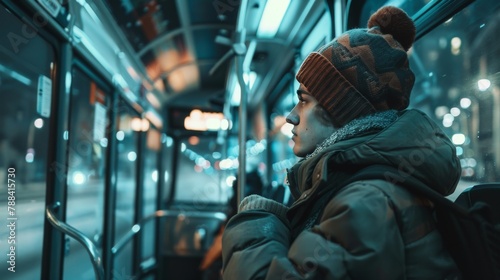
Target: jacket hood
<point x="413" y="144"/>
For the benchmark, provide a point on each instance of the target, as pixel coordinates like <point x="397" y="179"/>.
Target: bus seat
<point x="186" y="237"/>
<point x="486" y="192"/>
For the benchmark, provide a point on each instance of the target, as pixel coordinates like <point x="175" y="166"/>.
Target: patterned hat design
<point x="363" y="70"/>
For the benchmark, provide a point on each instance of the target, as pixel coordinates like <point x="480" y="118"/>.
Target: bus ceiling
<point x="183" y="46"/>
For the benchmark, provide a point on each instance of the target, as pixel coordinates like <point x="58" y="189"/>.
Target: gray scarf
<point x="374" y="122"/>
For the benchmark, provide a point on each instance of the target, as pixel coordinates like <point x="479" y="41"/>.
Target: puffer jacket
<point x="369" y="229"/>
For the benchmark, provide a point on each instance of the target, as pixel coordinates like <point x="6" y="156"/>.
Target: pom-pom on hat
<point x="363" y="70"/>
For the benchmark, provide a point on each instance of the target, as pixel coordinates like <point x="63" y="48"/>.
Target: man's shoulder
<point x="356" y="192"/>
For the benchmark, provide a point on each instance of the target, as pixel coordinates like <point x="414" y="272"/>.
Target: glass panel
<point x="167" y="157"/>
<point x="26" y="60"/>
<point x="86" y="170"/>
<point x="200" y="177"/>
<point x="150" y="190"/>
<point x="281" y="146"/>
<point x="458" y="84"/>
<point x="126" y="179"/>
<point x="255" y="169"/>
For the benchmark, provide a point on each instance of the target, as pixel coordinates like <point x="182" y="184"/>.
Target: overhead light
<point x="153" y="100"/>
<point x="272" y="17"/>
<point x="154" y="118"/>
<point x="205" y="121"/>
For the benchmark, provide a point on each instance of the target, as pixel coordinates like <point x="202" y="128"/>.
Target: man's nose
<point x="292" y="118"/>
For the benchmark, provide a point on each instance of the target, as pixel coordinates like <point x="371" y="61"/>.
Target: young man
<point x="352" y="115"/>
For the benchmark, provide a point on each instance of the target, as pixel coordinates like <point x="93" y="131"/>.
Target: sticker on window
<point x="44" y="96"/>
<point x="99" y="122"/>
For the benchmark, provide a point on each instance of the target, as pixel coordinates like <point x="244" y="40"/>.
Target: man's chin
<point x="298" y="152"/>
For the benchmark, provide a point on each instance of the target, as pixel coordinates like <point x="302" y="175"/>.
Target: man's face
<point x="309" y="129"/>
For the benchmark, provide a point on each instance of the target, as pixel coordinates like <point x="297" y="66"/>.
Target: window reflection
<point x="24" y="142"/>
<point x="200" y="179"/>
<point x="282" y="145"/>
<point x="150" y="189"/>
<point x="457" y="84"/>
<point x="127" y="144"/>
<point x="167" y="160"/>
<point x="86" y="166"/>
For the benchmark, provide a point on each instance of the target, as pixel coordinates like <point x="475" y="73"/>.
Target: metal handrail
<point x="95" y="256"/>
<point x="158" y="214"/>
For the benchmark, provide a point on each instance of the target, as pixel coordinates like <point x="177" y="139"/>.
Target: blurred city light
<point x="38" y="123"/>
<point x="465" y="103"/>
<point x="30" y="155"/>
<point x="104" y="142"/>
<point x="448" y="120"/>
<point x="79" y="178"/>
<point x="456" y="43"/>
<point x="455" y="112"/>
<point x="286" y="129"/>
<point x="154" y="176"/>
<point x="120" y="135"/>
<point x="483" y="84"/>
<point x="132" y="156"/>
<point x="441" y="111"/>
<point x="458" y="139"/>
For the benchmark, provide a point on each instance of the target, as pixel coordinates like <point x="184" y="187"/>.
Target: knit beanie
<point x="363" y="71"/>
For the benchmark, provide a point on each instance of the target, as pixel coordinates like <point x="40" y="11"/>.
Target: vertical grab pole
<point x="242" y="116"/>
<point x="240" y="49"/>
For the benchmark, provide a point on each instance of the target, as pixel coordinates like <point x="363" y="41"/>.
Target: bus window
<point x="200" y="177"/>
<point x="410" y="7"/>
<point x="26" y="65"/>
<point x="457" y="83"/>
<point x="127" y="145"/>
<point x="86" y="168"/>
<point x="150" y="190"/>
<point x="167" y="161"/>
<point x="281" y="144"/>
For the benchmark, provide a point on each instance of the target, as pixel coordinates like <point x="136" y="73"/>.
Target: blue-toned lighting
<point x="272" y="17"/>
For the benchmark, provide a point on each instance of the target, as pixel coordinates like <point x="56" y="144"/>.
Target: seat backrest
<point x="486" y="192"/>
